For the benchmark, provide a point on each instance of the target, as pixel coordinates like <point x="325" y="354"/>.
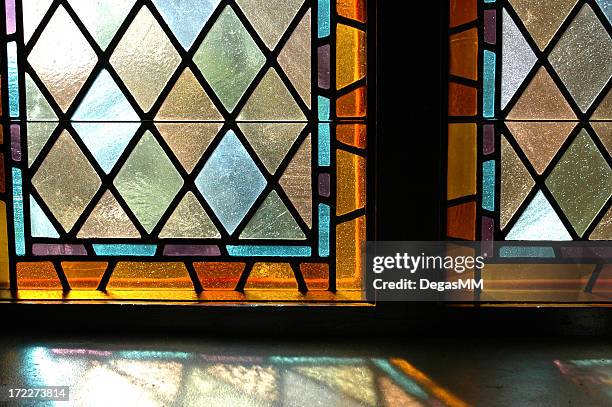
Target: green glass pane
<point x="148" y="181"/>
<point x="229" y="58"/>
<point x="273" y="221"/>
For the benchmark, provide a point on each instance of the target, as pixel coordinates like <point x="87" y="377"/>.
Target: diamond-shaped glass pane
<point x="148" y="181"/>
<point x="102" y="17"/>
<point x="229" y="58"/>
<point x="186" y="18"/>
<point x="62" y="58"/>
<point x="581" y="182"/>
<point x="230" y="181"/>
<point x="145" y="59"/>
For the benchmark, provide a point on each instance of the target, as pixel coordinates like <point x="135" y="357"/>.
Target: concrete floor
<point x="178" y="371"/>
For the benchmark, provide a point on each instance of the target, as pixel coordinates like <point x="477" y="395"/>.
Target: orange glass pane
<point x="349" y="238"/>
<point x="84" y="275"/>
<point x="4" y="256"/>
<point x="271" y="276"/>
<point x="219" y="276"/>
<point x="351" y="182"/>
<point x="137" y="275"/>
<point x="37" y="276"/>
<point x="461" y="160"/>
<point x="461" y="221"/>
<point x="1" y="135"/>
<point x="464" y="54"/>
<point x="352" y="104"/>
<point x="352" y="134"/>
<point x="350" y="55"/>
<point x="315" y="275"/>
<point x="462" y="100"/>
<point x="353" y="9"/>
<point x="462" y="11"/>
<point x="2" y="174"/>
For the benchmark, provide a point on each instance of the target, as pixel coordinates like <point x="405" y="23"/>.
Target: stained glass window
<point x="530" y="114"/>
<point x="201" y="150"/>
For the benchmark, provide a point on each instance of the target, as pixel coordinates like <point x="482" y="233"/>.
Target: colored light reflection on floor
<point x="158" y="378"/>
<point x="593" y="375"/>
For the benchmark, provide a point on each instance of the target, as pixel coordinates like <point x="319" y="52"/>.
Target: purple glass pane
<point x="324" y="185"/>
<point x="490" y="28"/>
<point x="40" y="249"/>
<point x="10" y="17"/>
<point x="488" y="233"/>
<point x="323" y="58"/>
<point x="488" y="142"/>
<point x="16" y="142"/>
<point x="595" y="252"/>
<point x="191" y="250"/>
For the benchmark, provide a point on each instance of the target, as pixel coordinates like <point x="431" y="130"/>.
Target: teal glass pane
<point x="324" y="22"/>
<point x="146" y="250"/>
<point x="18" y="212"/>
<point x="269" y="251"/>
<point x="324" y="229"/>
<point x="13" y="79"/>
<point x="324" y="145"/>
<point x="324" y="109"/>
<point x="527" y="252"/>
<point x="489" y="85"/>
<point x="488" y="185"/>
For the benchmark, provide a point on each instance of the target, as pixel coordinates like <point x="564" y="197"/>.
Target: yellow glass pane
<point x="352" y="134"/>
<point x="84" y="275"/>
<point x="37" y="276"/>
<point x="272" y="276"/>
<point x="351" y="182"/>
<point x="350" y="55"/>
<point x="353" y="9"/>
<point x="219" y="276"/>
<point x="4" y="256"/>
<point x="349" y="238"/>
<point x="150" y="276"/>
<point x="461" y="160"/>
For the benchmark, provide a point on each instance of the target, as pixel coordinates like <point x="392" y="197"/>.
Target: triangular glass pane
<point x="230" y="181"/>
<point x="543" y="18"/>
<point x="145" y="59"/>
<point x="542" y="100"/>
<point x="604" y="110"/>
<point x="108" y="220"/>
<point x="271" y="101"/>
<point x="102" y="18"/>
<point x="229" y="58"/>
<point x="106" y="141"/>
<point x="62" y="58"/>
<point x="38" y="135"/>
<point x="516" y="183"/>
<point x="189" y="141"/>
<point x="273" y="221"/>
<point x="186" y="18"/>
<point x="604" y="132"/>
<point x="582" y="58"/>
<point x="271" y="18"/>
<point x="148" y="181"/>
<point x="188" y="101"/>
<point x="37" y="106"/>
<point x="33" y="12"/>
<point x="581" y="182"/>
<point x="40" y="224"/>
<point x="603" y="231"/>
<point x="539" y="222"/>
<point x="189" y="221"/>
<point x="104" y="101"/>
<point x="517" y="59"/>
<point x="295" y="59"/>
<point x="540" y="141"/>
<point x="297" y="181"/>
<point x="271" y="141"/>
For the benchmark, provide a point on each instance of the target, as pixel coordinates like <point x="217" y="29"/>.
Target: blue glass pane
<point x="522" y="251"/>
<point x="18" y="212"/>
<point x="324" y="225"/>
<point x="324" y="18"/>
<point x="489" y="84"/>
<point x="539" y="222"/>
<point x="230" y="182"/>
<point x="186" y="18"/>
<point x="106" y="141"/>
<point x="324" y="145"/>
<point x="41" y="225"/>
<point x="269" y="251"/>
<point x="13" y="80"/>
<point x="606" y="6"/>
<point x="104" y="101"/>
<point x="324" y="109"/>
<point x="125" y="249"/>
<point x="488" y="185"/>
